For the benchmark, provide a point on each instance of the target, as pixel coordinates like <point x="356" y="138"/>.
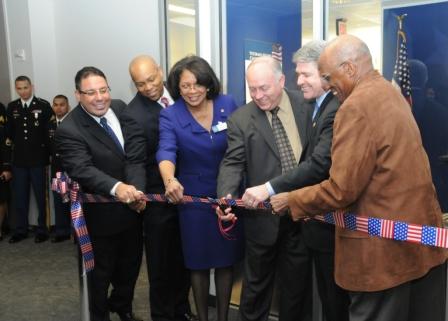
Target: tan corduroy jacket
<point x="380" y="169"/>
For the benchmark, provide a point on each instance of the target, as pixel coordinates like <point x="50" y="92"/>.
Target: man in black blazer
<point x="274" y="246"/>
<point x="62" y="222"/>
<point x="90" y="142"/>
<point x="316" y="161"/>
<point x="168" y="278"/>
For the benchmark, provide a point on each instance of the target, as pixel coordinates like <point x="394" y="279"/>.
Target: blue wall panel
<point x="265" y="21"/>
<point x="426" y="28"/>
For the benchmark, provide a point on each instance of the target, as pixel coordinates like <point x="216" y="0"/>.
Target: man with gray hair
<point x="379" y="169"/>
<point x="265" y="138"/>
<point x="315" y="164"/>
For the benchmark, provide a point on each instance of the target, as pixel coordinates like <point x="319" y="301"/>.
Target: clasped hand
<point x="174" y="191"/>
<point x="130" y="195"/>
<point x="226" y="215"/>
<point x="255" y="195"/>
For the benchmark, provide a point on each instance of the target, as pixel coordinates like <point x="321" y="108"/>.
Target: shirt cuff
<point x="270" y="189"/>
<point x="112" y="191"/>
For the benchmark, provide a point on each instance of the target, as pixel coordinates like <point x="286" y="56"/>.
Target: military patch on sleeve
<point x="8" y="142"/>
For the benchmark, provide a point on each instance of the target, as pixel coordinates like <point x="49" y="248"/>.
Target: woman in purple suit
<point x="193" y="140"/>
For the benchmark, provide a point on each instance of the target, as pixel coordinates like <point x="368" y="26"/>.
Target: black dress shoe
<point x="60" y="238"/>
<point x="128" y="316"/>
<point x="39" y="238"/>
<point x="17" y="238"/>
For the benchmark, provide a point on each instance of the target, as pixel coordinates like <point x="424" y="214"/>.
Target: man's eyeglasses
<point x="93" y="92"/>
<point x="327" y="77"/>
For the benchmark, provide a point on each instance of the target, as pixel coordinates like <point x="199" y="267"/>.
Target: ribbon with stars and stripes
<point x="63" y="186"/>
<point x="373" y="226"/>
<point x="388" y="229"/>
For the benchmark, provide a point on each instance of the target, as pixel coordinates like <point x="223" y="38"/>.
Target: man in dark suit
<point x="61" y="210"/>
<point x="90" y="142"/>
<point x="168" y="277"/>
<point x="274" y="245"/>
<point x="314" y="168"/>
<point x="31" y="125"/>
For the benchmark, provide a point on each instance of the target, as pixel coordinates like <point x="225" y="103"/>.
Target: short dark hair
<point x="61" y="96"/>
<point x="23" y="78"/>
<point x="200" y="68"/>
<point x="86" y="72"/>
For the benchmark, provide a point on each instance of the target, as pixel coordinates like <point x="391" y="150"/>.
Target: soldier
<point x="62" y="230"/>
<point x="5" y="166"/>
<point x="31" y="126"/>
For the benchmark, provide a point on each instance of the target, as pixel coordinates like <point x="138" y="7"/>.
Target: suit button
<point x="25" y="138"/>
<point x="25" y="131"/>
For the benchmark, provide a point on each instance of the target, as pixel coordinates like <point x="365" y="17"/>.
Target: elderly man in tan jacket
<point x="379" y="169"/>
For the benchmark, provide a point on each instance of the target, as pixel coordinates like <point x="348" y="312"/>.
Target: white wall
<point x="18" y="39"/>
<point x="62" y="36"/>
<point x="5" y="93"/>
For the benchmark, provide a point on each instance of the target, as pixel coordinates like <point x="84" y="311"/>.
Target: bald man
<point x="379" y="169"/>
<point x="168" y="277"/>
<point x="274" y="247"/>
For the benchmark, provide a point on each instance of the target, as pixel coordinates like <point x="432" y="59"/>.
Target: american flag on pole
<point x="402" y="78"/>
<point x="277" y="52"/>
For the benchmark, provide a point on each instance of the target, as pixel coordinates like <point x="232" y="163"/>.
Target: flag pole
<point x="83" y="289"/>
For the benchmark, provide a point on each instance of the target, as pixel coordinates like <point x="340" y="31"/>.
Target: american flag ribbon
<point x="373" y="226"/>
<point x="62" y="185"/>
<point x="388" y="229"/>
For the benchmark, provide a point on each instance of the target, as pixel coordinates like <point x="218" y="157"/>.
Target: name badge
<point x="219" y="127"/>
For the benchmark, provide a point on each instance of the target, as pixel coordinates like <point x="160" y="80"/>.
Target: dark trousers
<point x="168" y="278"/>
<point x="320" y="240"/>
<point x="335" y="300"/>
<point x="62" y="216"/>
<point x="288" y="259"/>
<point x="117" y="263"/>
<point x="418" y="300"/>
<point x="22" y="177"/>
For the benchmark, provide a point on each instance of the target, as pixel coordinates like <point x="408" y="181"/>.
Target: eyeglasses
<point x="190" y="87"/>
<point x="93" y="92"/>
<point x="327" y="77"/>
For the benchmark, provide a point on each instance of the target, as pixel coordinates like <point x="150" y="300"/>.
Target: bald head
<point x="350" y="48"/>
<point x="147" y="76"/>
<point x="266" y="62"/>
<point x="265" y="81"/>
<point x="343" y="62"/>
